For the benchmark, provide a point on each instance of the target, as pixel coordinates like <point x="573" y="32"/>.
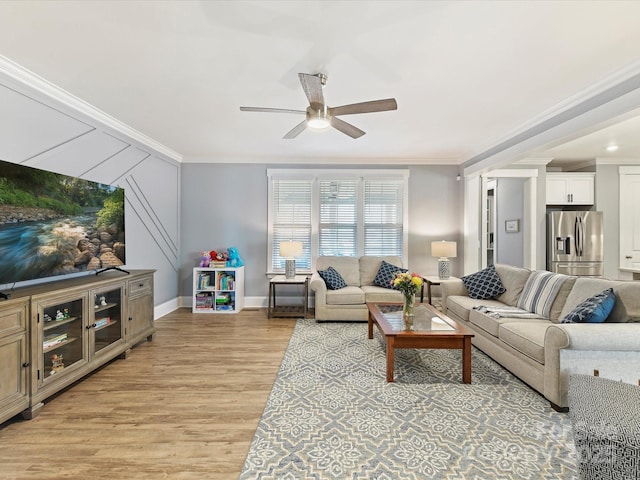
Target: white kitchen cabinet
<point x="575" y="188"/>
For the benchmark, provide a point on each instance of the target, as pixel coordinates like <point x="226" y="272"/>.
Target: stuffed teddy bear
<point x="234" y="258"/>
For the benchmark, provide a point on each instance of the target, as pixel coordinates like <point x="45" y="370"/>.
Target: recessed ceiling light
<point x="612" y="148"/>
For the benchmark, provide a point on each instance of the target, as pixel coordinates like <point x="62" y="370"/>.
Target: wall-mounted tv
<point x="53" y="224"/>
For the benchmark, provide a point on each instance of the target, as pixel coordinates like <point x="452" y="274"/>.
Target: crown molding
<point x="615" y="95"/>
<point x="534" y="161"/>
<point x="269" y="160"/>
<point x="25" y="78"/>
<point x="617" y="161"/>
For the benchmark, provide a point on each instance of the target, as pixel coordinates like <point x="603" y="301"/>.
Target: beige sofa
<point x="350" y="303"/>
<point x="543" y="353"/>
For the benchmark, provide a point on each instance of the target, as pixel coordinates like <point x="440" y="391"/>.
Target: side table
<point x="430" y="280"/>
<point x="288" y="310"/>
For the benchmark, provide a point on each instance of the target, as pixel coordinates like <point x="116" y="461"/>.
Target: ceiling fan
<point x="319" y="115"/>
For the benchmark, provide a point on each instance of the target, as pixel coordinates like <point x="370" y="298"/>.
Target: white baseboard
<point x="250" y="302"/>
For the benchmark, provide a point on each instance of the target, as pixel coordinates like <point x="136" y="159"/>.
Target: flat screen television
<point x="53" y="224"/>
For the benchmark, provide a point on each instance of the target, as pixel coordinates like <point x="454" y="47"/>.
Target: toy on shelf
<point x="234" y="258"/>
<point x="205" y="259"/>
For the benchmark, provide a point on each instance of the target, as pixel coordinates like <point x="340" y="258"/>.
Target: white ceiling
<point x="466" y="75"/>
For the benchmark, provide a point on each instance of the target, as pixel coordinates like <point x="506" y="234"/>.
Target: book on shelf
<point x="54" y="339"/>
<point x="204" y="300"/>
<point x="226" y="281"/>
<point x="102" y="322"/>
<point x="204" y="281"/>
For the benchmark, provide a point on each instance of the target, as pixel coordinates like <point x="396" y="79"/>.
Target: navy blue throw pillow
<point x="386" y="274"/>
<point x="332" y="278"/>
<point x="484" y="284"/>
<point x="594" y="309"/>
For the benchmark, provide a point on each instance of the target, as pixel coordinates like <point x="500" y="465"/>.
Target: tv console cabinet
<point x="54" y="334"/>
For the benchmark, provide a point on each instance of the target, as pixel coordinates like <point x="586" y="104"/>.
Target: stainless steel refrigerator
<point x="575" y="243"/>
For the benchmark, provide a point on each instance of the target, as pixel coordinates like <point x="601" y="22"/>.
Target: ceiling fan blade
<point x="271" y="110"/>
<point x="365" y="107"/>
<point x="346" y="128"/>
<point x="312" y="86"/>
<point x="297" y="130"/>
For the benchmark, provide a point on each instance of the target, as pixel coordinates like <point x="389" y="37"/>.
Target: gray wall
<point x="41" y="131"/>
<point x="509" y="206"/>
<point x="225" y="205"/>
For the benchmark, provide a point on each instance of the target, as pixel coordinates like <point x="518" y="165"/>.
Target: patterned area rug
<point x="332" y="415"/>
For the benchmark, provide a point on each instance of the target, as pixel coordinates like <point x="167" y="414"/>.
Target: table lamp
<point x="290" y="250"/>
<point x="444" y="250"/>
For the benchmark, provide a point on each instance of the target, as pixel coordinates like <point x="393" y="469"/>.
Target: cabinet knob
<point x="130" y="318"/>
<point x="628" y="257"/>
<point x="26" y="364"/>
<point x="89" y="327"/>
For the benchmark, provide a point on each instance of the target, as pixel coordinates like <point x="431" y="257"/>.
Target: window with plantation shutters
<point x="291" y="220"/>
<point x="336" y="212"/>
<point x="338" y="226"/>
<point x="383" y="217"/>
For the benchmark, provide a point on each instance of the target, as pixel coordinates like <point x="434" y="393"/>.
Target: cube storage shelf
<point x="218" y="290"/>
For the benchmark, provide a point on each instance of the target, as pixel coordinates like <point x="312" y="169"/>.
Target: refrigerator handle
<point x="580" y="237"/>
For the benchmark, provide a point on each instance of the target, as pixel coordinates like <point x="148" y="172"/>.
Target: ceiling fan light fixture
<point x="318" y="119"/>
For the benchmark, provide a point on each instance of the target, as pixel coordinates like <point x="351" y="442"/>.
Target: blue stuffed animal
<point x="234" y="258"/>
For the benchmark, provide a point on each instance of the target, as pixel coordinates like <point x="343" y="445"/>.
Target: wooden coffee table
<point x="432" y="329"/>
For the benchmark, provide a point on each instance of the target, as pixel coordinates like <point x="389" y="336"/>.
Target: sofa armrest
<point x="451" y="287"/>
<point x="594" y="336"/>
<point x="612" y="341"/>
<point x="319" y="288"/>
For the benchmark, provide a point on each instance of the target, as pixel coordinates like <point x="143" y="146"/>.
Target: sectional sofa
<point x="543" y="352"/>
<point x="350" y="303"/>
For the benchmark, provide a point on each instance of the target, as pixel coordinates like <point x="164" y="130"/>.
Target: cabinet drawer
<point x="13" y="320"/>
<point x="140" y="286"/>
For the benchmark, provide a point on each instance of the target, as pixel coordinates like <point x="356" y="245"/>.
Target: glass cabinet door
<point x="106" y="325"/>
<point x="62" y="336"/>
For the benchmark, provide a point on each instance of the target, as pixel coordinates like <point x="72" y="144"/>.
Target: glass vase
<point x="407" y="311"/>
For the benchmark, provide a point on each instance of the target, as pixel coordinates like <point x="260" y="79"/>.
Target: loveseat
<point x="543" y="352"/>
<point x="350" y="302"/>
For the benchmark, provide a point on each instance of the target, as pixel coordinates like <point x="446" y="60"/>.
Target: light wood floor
<point x="184" y="406"/>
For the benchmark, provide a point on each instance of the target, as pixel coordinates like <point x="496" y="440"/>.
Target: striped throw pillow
<point x="540" y="291"/>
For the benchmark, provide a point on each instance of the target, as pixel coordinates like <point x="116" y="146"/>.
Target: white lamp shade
<point x="444" y="249"/>
<point x="290" y="249"/>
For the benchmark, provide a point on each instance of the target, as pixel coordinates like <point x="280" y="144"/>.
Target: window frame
<point x="315" y="175"/>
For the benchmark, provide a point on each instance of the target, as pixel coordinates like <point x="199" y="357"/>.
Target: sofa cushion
<point x="594" y="309"/>
<point x="386" y="274"/>
<point x="347" y="267"/>
<point x="491" y="324"/>
<point x="626" y="308"/>
<point x="513" y="279"/>
<point x="561" y="298"/>
<point x="484" y="284"/>
<point x="348" y="295"/>
<point x="460" y="305"/>
<point x="526" y="337"/>
<point x="540" y="292"/>
<point x="373" y="293"/>
<point x="332" y="279"/>
<point x="369" y="266"/>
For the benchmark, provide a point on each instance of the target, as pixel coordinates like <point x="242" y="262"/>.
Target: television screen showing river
<point x="53" y="224"/>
